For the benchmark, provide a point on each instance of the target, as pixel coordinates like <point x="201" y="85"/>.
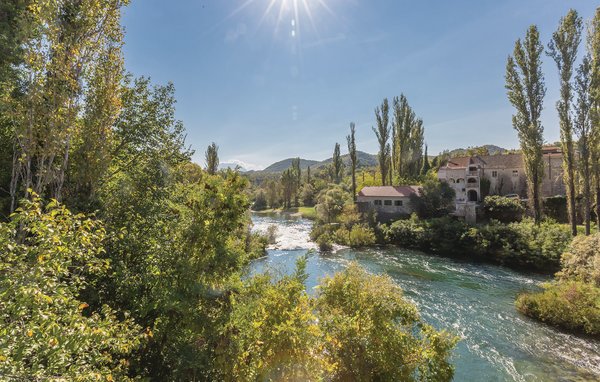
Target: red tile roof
<point x="389" y="191"/>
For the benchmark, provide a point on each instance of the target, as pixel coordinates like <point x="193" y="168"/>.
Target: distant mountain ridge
<point x="364" y="159"/>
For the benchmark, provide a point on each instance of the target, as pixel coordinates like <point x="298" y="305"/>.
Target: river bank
<point x="474" y="300"/>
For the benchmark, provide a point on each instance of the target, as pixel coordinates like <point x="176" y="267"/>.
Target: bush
<point x="361" y="235"/>
<point x="503" y="209"/>
<point x="572" y="305"/>
<point x="555" y="207"/>
<point x="372" y="333"/>
<point x="582" y="261"/>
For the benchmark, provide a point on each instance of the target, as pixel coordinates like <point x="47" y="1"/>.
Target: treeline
<point x="120" y="259"/>
<point x="578" y="110"/>
<point x="402" y="158"/>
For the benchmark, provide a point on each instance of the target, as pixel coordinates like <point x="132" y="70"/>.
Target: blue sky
<point x="267" y="83"/>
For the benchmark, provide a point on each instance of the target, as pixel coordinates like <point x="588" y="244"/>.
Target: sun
<point x="300" y="12"/>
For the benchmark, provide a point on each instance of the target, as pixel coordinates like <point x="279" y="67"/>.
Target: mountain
<point x="364" y="160"/>
<point x="283" y="165"/>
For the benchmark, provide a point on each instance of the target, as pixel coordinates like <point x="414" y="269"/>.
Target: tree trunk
<point x="571" y="197"/>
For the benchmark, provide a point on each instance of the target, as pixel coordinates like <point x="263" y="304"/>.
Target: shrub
<point x="582" y="261"/>
<point x="555" y="207"/>
<point x="272" y="333"/>
<point x="373" y="333"/>
<point x="503" y="209"/>
<point x="325" y="242"/>
<point x="572" y="305"/>
<point x="361" y="235"/>
<point x="47" y="330"/>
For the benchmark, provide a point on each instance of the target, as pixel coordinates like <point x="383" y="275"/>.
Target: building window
<point x="387" y="202"/>
<point x="377" y="202"/>
<point x="398" y="203"/>
<point x="515" y="172"/>
<point x="494" y="174"/>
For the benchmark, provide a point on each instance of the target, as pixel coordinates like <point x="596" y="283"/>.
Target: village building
<point x="388" y="202"/>
<point x="474" y="177"/>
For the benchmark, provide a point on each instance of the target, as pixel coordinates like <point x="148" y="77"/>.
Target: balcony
<point x="472" y="185"/>
<point x="473" y="173"/>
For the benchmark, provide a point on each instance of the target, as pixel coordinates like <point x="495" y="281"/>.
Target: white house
<point x="389" y="202"/>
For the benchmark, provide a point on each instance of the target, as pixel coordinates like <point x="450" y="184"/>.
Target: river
<point x="474" y="301"/>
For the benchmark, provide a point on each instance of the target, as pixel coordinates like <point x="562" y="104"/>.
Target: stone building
<point x="504" y="173"/>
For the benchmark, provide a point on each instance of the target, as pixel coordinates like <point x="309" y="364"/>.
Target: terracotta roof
<point x="389" y="191"/>
<point x="458" y="162"/>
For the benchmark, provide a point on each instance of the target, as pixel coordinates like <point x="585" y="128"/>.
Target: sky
<point x="273" y="79"/>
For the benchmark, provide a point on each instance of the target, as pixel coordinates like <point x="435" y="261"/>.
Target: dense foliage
<point x="572" y="301"/>
<point x="520" y="245"/>
<point x="503" y="209"/>
<point x="48" y="259"/>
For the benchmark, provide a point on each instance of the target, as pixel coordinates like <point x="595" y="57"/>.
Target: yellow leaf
<point x="82" y="306"/>
<point x="29" y="333"/>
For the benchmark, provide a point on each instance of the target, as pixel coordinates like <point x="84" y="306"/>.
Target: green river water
<point x="475" y="301"/>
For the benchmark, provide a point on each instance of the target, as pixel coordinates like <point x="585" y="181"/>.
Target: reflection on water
<point x="475" y="301"/>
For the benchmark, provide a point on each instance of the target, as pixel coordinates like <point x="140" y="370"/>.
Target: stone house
<point x="388" y="202"/>
<point x="504" y="173"/>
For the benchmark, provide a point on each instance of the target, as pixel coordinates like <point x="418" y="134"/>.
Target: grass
<point x="305" y="212"/>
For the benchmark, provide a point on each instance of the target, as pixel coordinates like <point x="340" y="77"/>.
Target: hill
<point x="364" y="159"/>
<point x="491" y="150"/>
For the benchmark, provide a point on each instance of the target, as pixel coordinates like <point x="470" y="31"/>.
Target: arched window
<point x="472" y="180"/>
<point x="472" y="195"/>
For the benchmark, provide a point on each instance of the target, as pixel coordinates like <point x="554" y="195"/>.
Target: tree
<point x="337" y="165"/>
<point x="563" y="49"/>
<point x="526" y="90"/>
<point x="375" y="334"/>
<point x="48" y="331"/>
<point x="594" y="51"/>
<point x="426" y="165"/>
<point x="297" y="174"/>
<point x="583" y="129"/>
<point x="330" y="203"/>
<point x="435" y="199"/>
<point x="272" y="333"/>
<point x="353" y="157"/>
<point x="66" y="45"/>
<point x="383" y="136"/>
<point x="212" y="158"/>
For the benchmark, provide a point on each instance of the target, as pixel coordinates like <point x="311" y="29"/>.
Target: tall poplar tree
<point x="594" y="51"/>
<point x="383" y="136"/>
<point x="525" y="89"/>
<point x="563" y="50"/>
<point x="583" y="130"/>
<point x="212" y="158"/>
<point x="353" y="157"/>
<point x="337" y="165"/>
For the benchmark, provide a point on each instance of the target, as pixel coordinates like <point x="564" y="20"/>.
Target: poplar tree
<point x="64" y="44"/>
<point x="583" y="130"/>
<point x="594" y="51"/>
<point x="212" y="158"/>
<point x="563" y="50"/>
<point x="383" y="136"/>
<point x="525" y="89"/>
<point x="353" y="158"/>
<point x="337" y="165"/>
